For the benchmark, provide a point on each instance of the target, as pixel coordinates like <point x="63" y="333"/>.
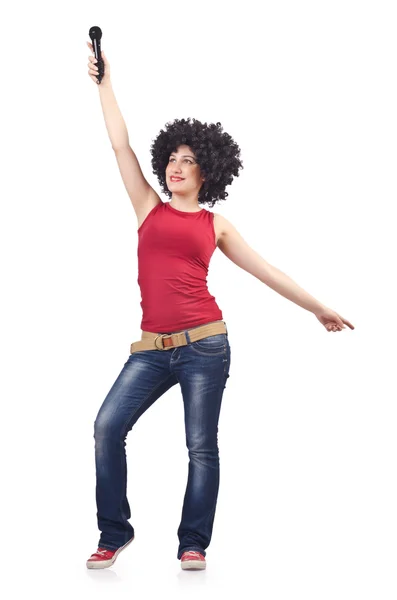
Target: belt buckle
<point x="155" y="341"/>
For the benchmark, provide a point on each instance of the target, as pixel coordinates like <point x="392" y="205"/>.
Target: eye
<point x="186" y="159"/>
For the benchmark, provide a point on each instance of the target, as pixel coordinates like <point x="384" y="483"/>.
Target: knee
<point x="105" y="428"/>
<point x="202" y="440"/>
<point x="202" y="446"/>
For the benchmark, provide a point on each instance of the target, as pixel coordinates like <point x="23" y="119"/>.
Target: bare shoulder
<point x="143" y="211"/>
<point x="221" y="225"/>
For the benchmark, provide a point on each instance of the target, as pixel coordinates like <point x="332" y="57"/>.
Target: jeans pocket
<point x="212" y="344"/>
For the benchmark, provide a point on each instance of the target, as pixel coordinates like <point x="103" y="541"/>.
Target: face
<point x="183" y="164"/>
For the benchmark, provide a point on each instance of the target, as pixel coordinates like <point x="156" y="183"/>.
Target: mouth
<point x="176" y="179"/>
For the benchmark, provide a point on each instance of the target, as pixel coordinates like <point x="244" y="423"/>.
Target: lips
<point x="176" y="178"/>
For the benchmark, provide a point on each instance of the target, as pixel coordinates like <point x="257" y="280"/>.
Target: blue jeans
<point x="201" y="368"/>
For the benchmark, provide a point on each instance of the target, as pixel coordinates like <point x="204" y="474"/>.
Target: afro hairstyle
<point x="216" y="153"/>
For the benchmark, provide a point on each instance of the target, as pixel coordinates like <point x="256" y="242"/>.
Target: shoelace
<point x="102" y="551"/>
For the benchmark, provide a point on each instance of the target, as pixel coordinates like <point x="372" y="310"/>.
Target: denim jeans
<point x="201" y="368"/>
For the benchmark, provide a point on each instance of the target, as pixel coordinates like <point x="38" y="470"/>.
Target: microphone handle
<point x="100" y="64"/>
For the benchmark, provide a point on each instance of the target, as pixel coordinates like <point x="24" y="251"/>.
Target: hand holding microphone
<point x="99" y="68"/>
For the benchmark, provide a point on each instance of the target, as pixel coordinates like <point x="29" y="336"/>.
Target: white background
<point x="307" y="432"/>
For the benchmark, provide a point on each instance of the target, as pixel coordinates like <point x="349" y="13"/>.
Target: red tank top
<point x="174" y="251"/>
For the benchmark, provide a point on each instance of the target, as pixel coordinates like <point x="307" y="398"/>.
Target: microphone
<point x="95" y="34"/>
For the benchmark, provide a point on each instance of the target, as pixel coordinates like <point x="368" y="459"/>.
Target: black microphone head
<point x="95" y="33"/>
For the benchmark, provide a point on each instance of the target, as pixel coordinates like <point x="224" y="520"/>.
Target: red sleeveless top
<point x="174" y="252"/>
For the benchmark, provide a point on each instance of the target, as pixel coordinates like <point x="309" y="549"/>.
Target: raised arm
<point x="143" y="197"/>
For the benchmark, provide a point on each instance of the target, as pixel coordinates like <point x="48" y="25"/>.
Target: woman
<point x="184" y="338"/>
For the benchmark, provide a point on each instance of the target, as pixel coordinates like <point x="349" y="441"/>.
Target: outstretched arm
<point x="233" y="245"/>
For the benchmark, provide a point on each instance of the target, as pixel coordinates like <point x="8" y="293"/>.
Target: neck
<point x="185" y="203"/>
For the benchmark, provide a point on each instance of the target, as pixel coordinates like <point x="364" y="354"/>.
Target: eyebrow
<point x="183" y="155"/>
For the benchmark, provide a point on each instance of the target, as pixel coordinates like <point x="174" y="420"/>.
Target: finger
<point x="347" y="323"/>
<point x="92" y="73"/>
<point x="338" y="321"/>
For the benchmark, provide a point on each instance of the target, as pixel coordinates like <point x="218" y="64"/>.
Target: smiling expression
<point x="183" y="164"/>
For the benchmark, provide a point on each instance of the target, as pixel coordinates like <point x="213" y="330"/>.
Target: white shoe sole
<point x="193" y="564"/>
<point x="102" y="564"/>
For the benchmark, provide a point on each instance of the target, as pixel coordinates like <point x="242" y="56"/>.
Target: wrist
<point x="319" y="308"/>
<point x="104" y="85"/>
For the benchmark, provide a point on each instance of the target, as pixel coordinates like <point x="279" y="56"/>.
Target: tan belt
<point x="165" y="341"/>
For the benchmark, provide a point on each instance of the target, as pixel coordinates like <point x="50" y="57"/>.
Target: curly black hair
<point x="216" y="153"/>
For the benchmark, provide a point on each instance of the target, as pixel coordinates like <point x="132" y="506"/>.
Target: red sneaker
<point x="103" y="558"/>
<point x="192" y="560"/>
